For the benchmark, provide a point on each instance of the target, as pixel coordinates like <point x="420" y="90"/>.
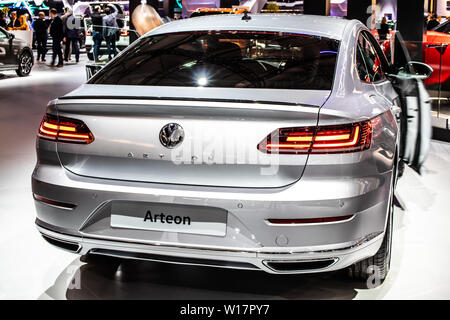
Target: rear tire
<point x="377" y="266"/>
<point x="25" y="64"/>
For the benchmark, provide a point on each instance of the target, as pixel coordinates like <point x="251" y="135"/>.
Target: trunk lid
<point x="221" y="129"/>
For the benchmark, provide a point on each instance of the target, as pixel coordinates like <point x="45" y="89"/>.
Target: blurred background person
<point x="64" y="21"/>
<point x="97" y="33"/>
<point x="3" y="23"/>
<point x="145" y="18"/>
<point x="13" y="21"/>
<point x="384" y="29"/>
<point x="29" y="21"/>
<point x="71" y="37"/>
<point x="110" y="28"/>
<point x="40" y="27"/>
<point x="433" y="23"/>
<point x="23" y="24"/>
<point x="57" y="34"/>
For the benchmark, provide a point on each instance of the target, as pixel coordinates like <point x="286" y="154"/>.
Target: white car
<point x="261" y="142"/>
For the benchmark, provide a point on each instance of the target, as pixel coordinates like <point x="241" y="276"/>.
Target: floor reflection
<point x="112" y="279"/>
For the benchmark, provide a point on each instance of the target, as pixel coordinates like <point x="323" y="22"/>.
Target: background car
<point x="15" y="54"/>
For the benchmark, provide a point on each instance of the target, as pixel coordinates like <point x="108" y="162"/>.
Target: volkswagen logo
<point x="171" y="135"/>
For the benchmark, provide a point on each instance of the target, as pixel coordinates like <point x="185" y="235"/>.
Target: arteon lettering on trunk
<point x="167" y="218"/>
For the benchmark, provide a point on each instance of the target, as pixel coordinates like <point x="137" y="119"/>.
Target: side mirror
<point x="421" y="70"/>
<point x="11" y="36"/>
<point x="416" y="70"/>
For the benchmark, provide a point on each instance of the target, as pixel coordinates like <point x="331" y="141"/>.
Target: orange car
<point x="211" y="11"/>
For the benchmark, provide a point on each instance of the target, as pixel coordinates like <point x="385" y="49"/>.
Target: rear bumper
<point x="303" y="260"/>
<point x="250" y="241"/>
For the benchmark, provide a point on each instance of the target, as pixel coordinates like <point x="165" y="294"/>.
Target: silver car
<point x="268" y="142"/>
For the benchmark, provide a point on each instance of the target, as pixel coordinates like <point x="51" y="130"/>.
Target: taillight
<point x="324" y="139"/>
<point x="89" y="33"/>
<point x="124" y="33"/>
<point x="64" y="130"/>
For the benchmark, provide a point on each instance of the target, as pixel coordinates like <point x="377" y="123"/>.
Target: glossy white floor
<point x="31" y="269"/>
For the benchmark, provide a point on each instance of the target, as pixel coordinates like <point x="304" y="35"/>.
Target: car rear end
<point x="186" y="170"/>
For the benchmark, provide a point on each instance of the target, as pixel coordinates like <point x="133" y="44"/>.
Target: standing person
<point x="71" y="38"/>
<point x="384" y="29"/>
<point x="64" y="21"/>
<point x="23" y="25"/>
<point x="40" y="27"/>
<point x="13" y="22"/>
<point x="3" y="23"/>
<point x="29" y="21"/>
<point x="97" y="25"/>
<point x="57" y="34"/>
<point x="110" y="28"/>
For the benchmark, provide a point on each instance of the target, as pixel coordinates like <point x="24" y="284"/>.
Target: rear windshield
<point x="231" y="59"/>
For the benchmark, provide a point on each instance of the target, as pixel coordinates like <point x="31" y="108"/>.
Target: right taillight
<point x="64" y="130"/>
<point x="124" y="33"/>
<point x="323" y="139"/>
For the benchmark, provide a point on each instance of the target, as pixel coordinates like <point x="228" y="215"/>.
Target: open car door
<point x="415" y="119"/>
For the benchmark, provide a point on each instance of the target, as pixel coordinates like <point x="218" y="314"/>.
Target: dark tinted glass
<point x="361" y="65"/>
<point x="370" y="59"/>
<point x="445" y="27"/>
<point x="226" y="59"/>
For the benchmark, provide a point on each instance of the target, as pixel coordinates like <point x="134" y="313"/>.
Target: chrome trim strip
<point x="266" y="263"/>
<point x="193" y="103"/>
<point x="259" y="251"/>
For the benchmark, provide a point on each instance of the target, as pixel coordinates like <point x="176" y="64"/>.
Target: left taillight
<point x="324" y="139"/>
<point x="63" y="129"/>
